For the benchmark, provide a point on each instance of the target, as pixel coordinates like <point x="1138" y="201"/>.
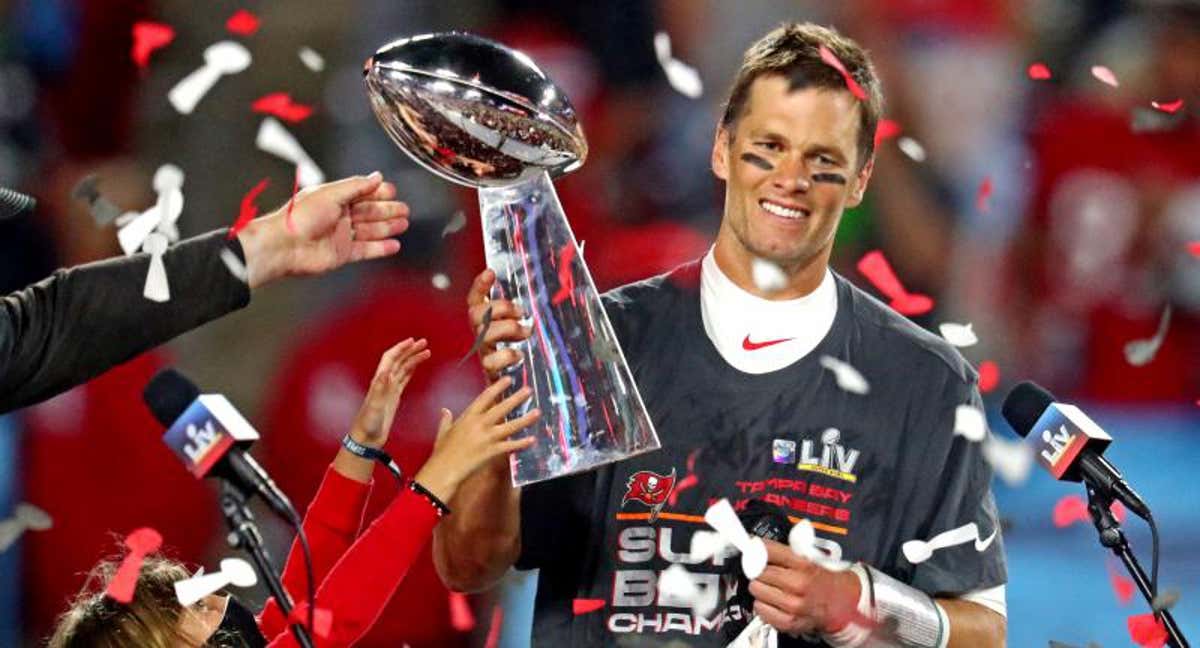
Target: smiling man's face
<point x="790" y="166"/>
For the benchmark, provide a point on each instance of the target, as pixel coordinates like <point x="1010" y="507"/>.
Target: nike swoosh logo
<point x="754" y="346"/>
<point x="981" y="545"/>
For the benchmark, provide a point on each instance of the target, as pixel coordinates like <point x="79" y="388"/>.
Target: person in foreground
<point x="357" y="573"/>
<point x="738" y="383"/>
<point x="82" y="321"/>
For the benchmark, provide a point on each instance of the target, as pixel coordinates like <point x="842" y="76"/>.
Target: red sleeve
<point x="362" y="582"/>
<point x="331" y="523"/>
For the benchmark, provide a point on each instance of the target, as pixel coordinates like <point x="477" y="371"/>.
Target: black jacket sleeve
<point x="82" y="321"/>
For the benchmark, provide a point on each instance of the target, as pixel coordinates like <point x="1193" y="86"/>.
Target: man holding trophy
<point x="729" y="378"/>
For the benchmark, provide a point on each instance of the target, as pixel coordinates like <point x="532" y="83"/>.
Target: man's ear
<point x="860" y="183"/>
<point x="720" y="154"/>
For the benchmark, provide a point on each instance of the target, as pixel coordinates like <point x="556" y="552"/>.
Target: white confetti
<point x="440" y="281"/>
<point x="311" y="59"/>
<point x="970" y="423"/>
<point x="912" y="148"/>
<point x="678" y="588"/>
<point x="724" y="519"/>
<point x="277" y="140"/>
<point x="918" y="551"/>
<point x="168" y="183"/>
<point x="848" y="378"/>
<point x="234" y="264"/>
<point x="682" y="77"/>
<point x="705" y="545"/>
<point x="1140" y="352"/>
<point x="234" y="571"/>
<point x="767" y="276"/>
<point x="225" y="57"/>
<point x="756" y="634"/>
<point x="157" y="288"/>
<point x="802" y="540"/>
<point x="456" y="223"/>
<point x="133" y="233"/>
<point x="960" y="335"/>
<point x="1011" y="460"/>
<point x="1105" y="75"/>
<point x="25" y="517"/>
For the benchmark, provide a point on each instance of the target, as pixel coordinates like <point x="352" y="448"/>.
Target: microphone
<point x="14" y="203"/>
<point x="1068" y="443"/>
<point x="210" y="437"/>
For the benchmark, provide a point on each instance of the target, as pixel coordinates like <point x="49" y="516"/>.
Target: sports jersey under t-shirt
<point x="870" y="471"/>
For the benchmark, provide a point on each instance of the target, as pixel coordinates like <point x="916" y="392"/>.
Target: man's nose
<point x="792" y="176"/>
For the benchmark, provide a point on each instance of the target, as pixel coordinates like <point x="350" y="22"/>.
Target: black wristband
<point x="374" y="454"/>
<point x="442" y="509"/>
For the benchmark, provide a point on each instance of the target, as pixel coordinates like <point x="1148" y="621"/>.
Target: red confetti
<point x="832" y="61"/>
<point x="1105" y="75"/>
<point x="1119" y="511"/>
<point x="566" y="278"/>
<point x="886" y="130"/>
<point x="983" y="195"/>
<point x="586" y="606"/>
<point x="248" y="210"/>
<point x="322" y="619"/>
<point x="139" y="543"/>
<point x="147" y="37"/>
<point x="462" y="618"/>
<point x="1147" y="631"/>
<point x="989" y="376"/>
<point x="493" y="636"/>
<point x="688" y="481"/>
<point x="1169" y="107"/>
<point x="291" y="225"/>
<point x="1194" y="248"/>
<point x="280" y="104"/>
<point x="1122" y="586"/>
<point x="1069" y="510"/>
<point x="242" y="23"/>
<point x="876" y="268"/>
<point x="1038" y="72"/>
<point x="1073" y="508"/>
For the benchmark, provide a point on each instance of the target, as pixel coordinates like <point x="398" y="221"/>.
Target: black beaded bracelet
<point x="442" y="509"/>
<point x="374" y="454"/>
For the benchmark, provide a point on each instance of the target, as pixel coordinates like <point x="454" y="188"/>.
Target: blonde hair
<point x="150" y="620"/>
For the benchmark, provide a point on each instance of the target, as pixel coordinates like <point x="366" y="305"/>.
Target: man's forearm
<point x="85" y="320"/>
<point x="481" y="538"/>
<point x="973" y="625"/>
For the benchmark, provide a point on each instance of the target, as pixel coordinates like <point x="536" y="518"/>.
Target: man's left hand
<point x="328" y="226"/>
<point x="796" y="596"/>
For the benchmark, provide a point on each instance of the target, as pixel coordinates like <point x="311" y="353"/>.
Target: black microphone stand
<point x="1113" y="538"/>
<point x="244" y="535"/>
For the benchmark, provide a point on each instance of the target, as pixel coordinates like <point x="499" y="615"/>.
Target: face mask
<point x="237" y="628"/>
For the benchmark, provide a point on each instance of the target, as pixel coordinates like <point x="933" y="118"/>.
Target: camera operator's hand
<point x="504" y="326"/>
<point x="332" y="224"/>
<point x="478" y="436"/>
<point x="396" y="367"/>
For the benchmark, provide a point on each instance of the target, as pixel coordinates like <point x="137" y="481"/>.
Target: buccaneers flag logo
<point x="649" y="488"/>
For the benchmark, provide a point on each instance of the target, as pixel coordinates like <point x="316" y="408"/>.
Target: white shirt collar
<point x="757" y="335"/>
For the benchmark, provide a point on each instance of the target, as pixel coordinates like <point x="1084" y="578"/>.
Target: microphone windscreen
<point x="13" y="203"/>
<point x="168" y="395"/>
<point x="1024" y="405"/>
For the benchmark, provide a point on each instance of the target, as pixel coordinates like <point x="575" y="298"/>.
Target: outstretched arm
<point x="82" y="321"/>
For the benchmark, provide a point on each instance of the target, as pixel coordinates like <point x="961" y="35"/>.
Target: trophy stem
<point x="592" y="413"/>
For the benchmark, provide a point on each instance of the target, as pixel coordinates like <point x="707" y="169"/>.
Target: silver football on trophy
<point x="472" y="110"/>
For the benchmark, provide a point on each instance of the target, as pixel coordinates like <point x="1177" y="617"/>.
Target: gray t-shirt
<point x="870" y="471"/>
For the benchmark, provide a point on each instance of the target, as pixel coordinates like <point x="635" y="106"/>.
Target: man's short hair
<point x="792" y="50"/>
